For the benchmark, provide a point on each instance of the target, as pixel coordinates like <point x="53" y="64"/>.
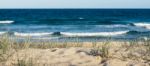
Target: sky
<point x="74" y="3"/>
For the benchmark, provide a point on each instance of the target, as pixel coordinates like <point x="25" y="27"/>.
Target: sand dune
<point x="74" y="56"/>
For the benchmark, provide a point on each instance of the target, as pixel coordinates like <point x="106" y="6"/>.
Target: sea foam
<point x="1" y="33"/>
<point x="95" y="34"/>
<point x="31" y="34"/>
<point x="6" y="22"/>
<point x="143" y="25"/>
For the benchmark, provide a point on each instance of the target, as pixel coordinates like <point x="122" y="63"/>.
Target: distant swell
<point x="6" y="22"/>
<point x="72" y="21"/>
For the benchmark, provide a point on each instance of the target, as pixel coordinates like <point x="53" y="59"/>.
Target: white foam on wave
<point x="112" y="26"/>
<point x="31" y="34"/>
<point x="143" y="25"/>
<point x="81" y="18"/>
<point x="2" y="33"/>
<point x="46" y="38"/>
<point x="95" y="34"/>
<point x="6" y="22"/>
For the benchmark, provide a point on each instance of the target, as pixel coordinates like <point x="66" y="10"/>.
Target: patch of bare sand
<point x="56" y="57"/>
<point x="80" y="56"/>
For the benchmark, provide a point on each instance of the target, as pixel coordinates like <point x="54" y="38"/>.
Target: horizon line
<point x="74" y="8"/>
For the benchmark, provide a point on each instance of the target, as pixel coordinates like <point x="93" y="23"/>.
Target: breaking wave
<point x="140" y="24"/>
<point x="31" y="34"/>
<point x="72" y="34"/>
<point x="1" y="33"/>
<point x="6" y="22"/>
<point x="66" y="34"/>
<point x="95" y="34"/>
<point x="143" y="25"/>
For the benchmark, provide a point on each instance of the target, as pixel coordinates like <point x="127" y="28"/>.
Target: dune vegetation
<point x="107" y="53"/>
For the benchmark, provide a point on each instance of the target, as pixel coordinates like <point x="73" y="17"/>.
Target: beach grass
<point x="127" y="50"/>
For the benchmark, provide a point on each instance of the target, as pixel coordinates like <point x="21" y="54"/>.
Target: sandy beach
<point x="79" y="54"/>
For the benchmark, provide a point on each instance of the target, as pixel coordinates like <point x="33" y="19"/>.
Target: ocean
<point x="76" y="24"/>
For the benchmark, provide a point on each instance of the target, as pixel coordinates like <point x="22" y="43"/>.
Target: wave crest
<point x="95" y="34"/>
<point x="1" y="33"/>
<point x="6" y="22"/>
<point x="143" y="25"/>
<point x="31" y="34"/>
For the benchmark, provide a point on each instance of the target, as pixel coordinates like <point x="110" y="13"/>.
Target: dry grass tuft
<point x="134" y="50"/>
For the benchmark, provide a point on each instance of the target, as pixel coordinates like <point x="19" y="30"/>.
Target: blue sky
<point x="74" y="3"/>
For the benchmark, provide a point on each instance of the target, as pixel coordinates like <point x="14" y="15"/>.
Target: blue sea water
<point x="84" y="24"/>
